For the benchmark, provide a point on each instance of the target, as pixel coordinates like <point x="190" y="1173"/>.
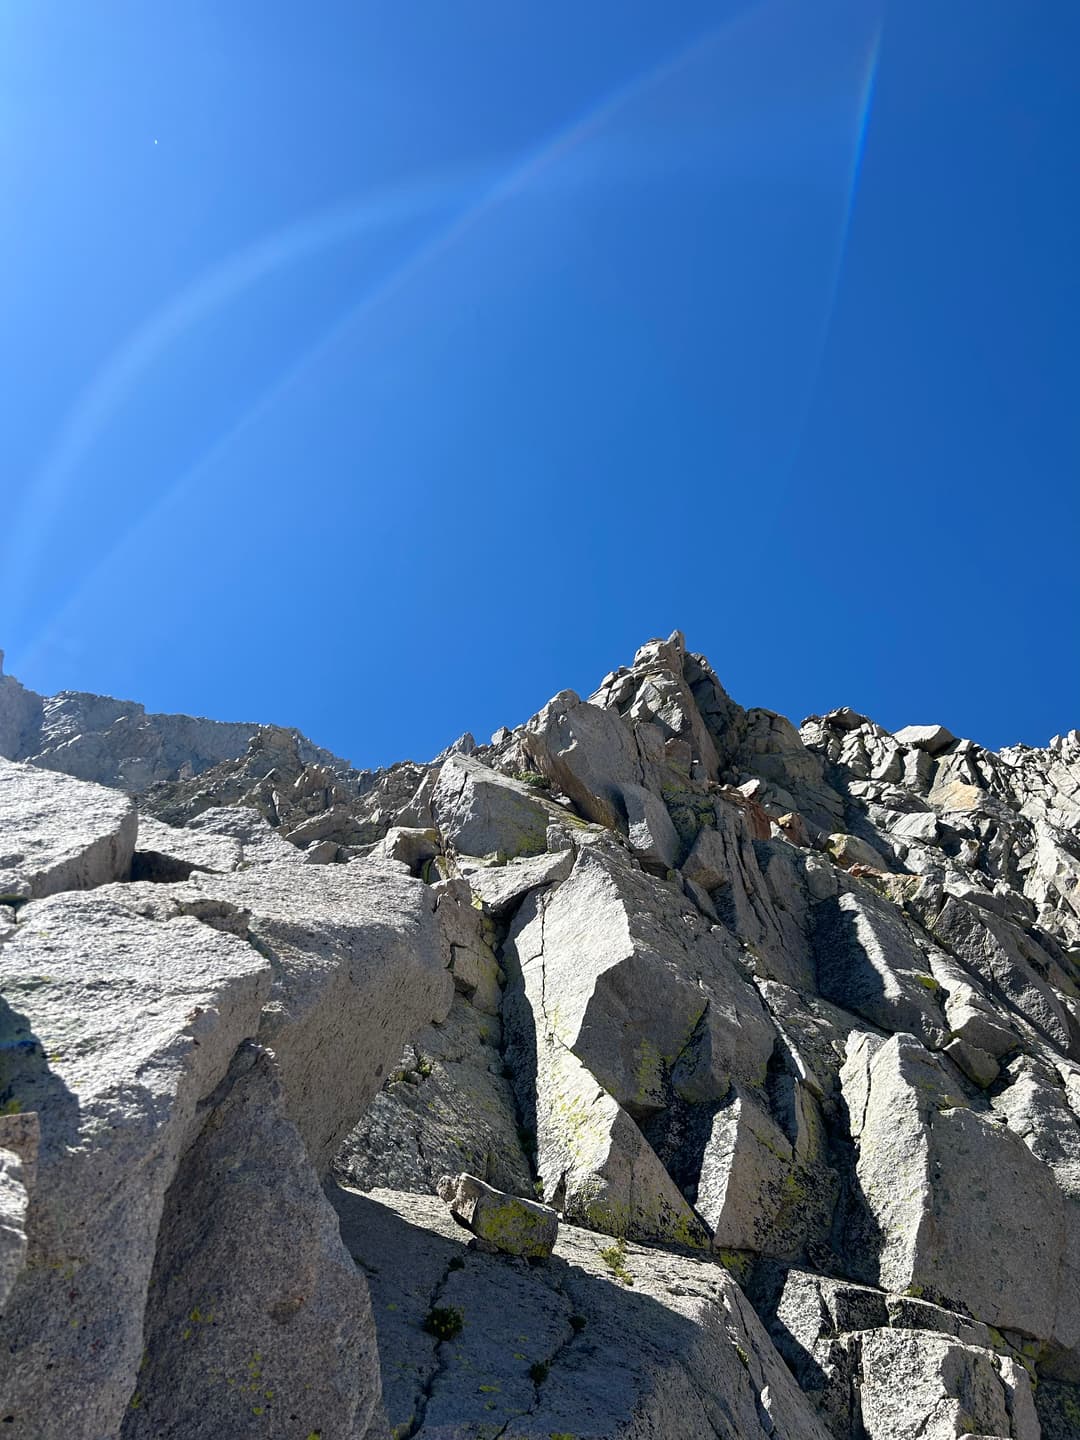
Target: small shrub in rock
<point x="534" y="778"/>
<point x="614" y="1257"/>
<point x="444" y="1322"/>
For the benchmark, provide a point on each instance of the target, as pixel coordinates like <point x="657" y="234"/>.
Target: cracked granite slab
<point x="606" y="1341"/>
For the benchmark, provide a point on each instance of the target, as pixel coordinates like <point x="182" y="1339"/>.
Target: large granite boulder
<point x="892" y="1367"/>
<point x="60" y="834"/>
<point x="258" y="1321"/>
<point x="868" y="961"/>
<point x="587" y="753"/>
<point x="358" y="968"/>
<point x="115" y="1028"/>
<point x="481" y="812"/>
<point x="500" y="1222"/>
<point x="622" y="1006"/>
<point x="123" y="1011"/>
<point x="169" y="853"/>
<point x="445" y="1106"/>
<point x="965" y="1212"/>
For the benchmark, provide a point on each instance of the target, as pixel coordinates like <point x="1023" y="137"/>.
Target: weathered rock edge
<point x="125" y="1011"/>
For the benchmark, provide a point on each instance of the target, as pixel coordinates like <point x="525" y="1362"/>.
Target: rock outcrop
<point x="745" y="1058"/>
<point x="60" y="834"/>
<point x="115" y="742"/>
<point x="170" y="1168"/>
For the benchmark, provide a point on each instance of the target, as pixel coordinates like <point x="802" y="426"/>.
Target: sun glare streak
<point x="118" y="378"/>
<point x="862" y="130"/>
<point x="211" y="292"/>
<point x="865" y="109"/>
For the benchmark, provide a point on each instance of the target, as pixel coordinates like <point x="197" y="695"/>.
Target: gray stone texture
<point x="253" y="1297"/>
<point x="115" y="1027"/>
<point x="358" y="966"/>
<point x="482" y="813"/>
<point x="598" y="1342"/>
<point x="60" y="834"/>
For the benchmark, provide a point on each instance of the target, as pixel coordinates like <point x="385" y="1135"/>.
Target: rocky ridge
<point x="784" y="1023"/>
<point x="116" y="743"/>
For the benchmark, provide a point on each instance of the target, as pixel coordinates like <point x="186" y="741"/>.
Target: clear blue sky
<point x="382" y="368"/>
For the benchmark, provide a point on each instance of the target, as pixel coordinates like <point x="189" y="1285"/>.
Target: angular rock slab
<point x="260" y="844"/>
<point x="619" y="999"/>
<point x="258" y="1323"/>
<point x="167" y="854"/>
<point x="114" y="1027"/>
<point x="446" y="1106"/>
<point x="594" y="1162"/>
<point x="868" y="962"/>
<point x="891" y="1367"/>
<point x="481" y="812"/>
<point x="914" y="1383"/>
<point x="747" y="1171"/>
<point x="598" y="1344"/>
<point x="964" y="1211"/>
<point x="764" y="910"/>
<point x="359" y="967"/>
<point x="467" y="934"/>
<point x="586" y="752"/>
<point x="625" y="974"/>
<point x="931" y="738"/>
<point x="60" y="834"/>
<point x="1002" y="956"/>
<point x="500" y="888"/>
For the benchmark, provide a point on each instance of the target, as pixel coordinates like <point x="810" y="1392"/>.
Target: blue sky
<point x="382" y="368"/>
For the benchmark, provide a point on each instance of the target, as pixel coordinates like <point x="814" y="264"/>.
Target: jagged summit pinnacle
<point x="772" y="1033"/>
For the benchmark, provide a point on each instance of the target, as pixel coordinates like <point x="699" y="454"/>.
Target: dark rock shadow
<point x="680" y="1134"/>
<point x="844" y="973"/>
<point x="765" y="1290"/>
<point x="28" y="1084"/>
<point x="1058" y="1408"/>
<point x="519" y="1028"/>
<point x="856" y="1239"/>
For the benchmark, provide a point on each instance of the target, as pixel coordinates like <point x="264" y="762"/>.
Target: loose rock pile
<point x="748" y="1057"/>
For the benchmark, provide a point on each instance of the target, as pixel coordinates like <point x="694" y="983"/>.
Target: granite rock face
<point x="115" y="1028"/>
<point x="60" y="834"/>
<point x="745" y="1057"/>
<point x="599" y="1341"/>
<point x="238" y="1322"/>
<point x="135" y="1145"/>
